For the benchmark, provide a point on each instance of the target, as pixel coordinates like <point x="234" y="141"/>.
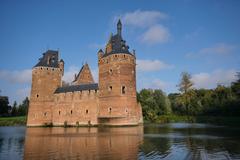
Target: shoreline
<point x="163" y="119"/>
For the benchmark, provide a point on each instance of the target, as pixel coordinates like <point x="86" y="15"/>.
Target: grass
<point x="218" y="120"/>
<point x="13" y="121"/>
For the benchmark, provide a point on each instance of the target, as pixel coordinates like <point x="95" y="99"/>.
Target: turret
<point x="119" y="28"/>
<point x="117" y="83"/>
<point x="46" y="78"/>
<point x="100" y="54"/>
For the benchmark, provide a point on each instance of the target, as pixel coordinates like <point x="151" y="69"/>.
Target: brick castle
<point x="111" y="101"/>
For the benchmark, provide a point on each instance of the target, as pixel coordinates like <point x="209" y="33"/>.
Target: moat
<point x="151" y="141"/>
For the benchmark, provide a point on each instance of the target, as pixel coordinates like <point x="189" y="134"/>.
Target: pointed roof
<point x="100" y="50"/>
<point x="119" y="27"/>
<point x="84" y="76"/>
<point x="118" y="45"/>
<point x="119" y="22"/>
<point x="49" y="59"/>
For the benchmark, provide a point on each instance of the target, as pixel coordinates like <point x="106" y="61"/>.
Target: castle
<point x="111" y="101"/>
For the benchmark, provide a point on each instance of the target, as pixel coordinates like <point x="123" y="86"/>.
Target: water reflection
<point x="190" y="141"/>
<point x="178" y="141"/>
<point x="11" y="142"/>
<point x="83" y="143"/>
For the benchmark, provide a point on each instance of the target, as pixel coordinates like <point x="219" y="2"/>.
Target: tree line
<point x="16" y="110"/>
<point x="220" y="101"/>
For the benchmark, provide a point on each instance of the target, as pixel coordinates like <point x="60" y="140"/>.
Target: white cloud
<point x="155" y="34"/>
<point x="96" y="46"/>
<point x="22" y="76"/>
<point x="140" y="18"/>
<point x="152" y="65"/>
<point x="69" y="74"/>
<point x="23" y="93"/>
<point x="95" y="75"/>
<point x="72" y="70"/>
<point x="219" y="49"/>
<point x="211" y="80"/>
<point x="156" y="83"/>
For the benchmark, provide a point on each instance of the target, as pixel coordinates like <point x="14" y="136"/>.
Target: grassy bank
<point x="218" y="120"/>
<point x="13" y="121"/>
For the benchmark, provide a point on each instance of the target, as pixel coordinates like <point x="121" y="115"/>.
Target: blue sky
<point x="200" y="37"/>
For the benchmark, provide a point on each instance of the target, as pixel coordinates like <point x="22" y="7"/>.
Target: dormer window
<point x="52" y="60"/>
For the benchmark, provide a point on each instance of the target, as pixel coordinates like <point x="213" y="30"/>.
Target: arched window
<point x="59" y="112"/>
<point x="123" y="89"/>
<point x="110" y="71"/>
<point x="87" y="111"/>
<point x="71" y="111"/>
<point x="110" y="88"/>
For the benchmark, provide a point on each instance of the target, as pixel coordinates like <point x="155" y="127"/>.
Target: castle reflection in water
<point x="83" y="143"/>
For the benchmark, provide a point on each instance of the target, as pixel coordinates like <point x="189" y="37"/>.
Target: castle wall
<point x="45" y="80"/>
<point x="117" y="90"/>
<point x="76" y="108"/>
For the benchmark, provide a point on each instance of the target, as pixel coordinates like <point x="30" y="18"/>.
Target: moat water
<point x="153" y="141"/>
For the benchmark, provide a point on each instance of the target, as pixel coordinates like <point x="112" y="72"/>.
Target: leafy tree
<point x="4" y="107"/>
<point x="14" y="109"/>
<point x="185" y="83"/>
<point x="154" y="103"/>
<point x="23" y="108"/>
<point x="236" y="86"/>
<point x="185" y="86"/>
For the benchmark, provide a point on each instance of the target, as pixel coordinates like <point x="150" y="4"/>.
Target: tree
<point x="14" y="109"/>
<point x="154" y="103"/>
<point x="162" y="102"/>
<point x="236" y="86"/>
<point x="4" y="107"/>
<point x="23" y="108"/>
<point x="185" y="84"/>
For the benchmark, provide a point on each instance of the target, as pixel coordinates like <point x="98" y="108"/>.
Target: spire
<point x="119" y="28"/>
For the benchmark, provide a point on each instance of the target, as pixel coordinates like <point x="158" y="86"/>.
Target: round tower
<point x="46" y="78"/>
<point x="117" y="84"/>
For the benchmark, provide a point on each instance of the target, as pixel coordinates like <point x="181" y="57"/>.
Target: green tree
<point x="185" y="86"/>
<point x="185" y="83"/>
<point x="236" y="86"/>
<point x="162" y="102"/>
<point x="23" y="108"/>
<point x="14" y="111"/>
<point x="4" y="107"/>
<point x="154" y="103"/>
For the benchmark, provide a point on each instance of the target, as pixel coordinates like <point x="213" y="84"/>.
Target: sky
<point x="170" y="37"/>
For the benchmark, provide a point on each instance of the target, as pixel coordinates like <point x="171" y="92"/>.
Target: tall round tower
<point x="117" y="83"/>
<point x="46" y="78"/>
